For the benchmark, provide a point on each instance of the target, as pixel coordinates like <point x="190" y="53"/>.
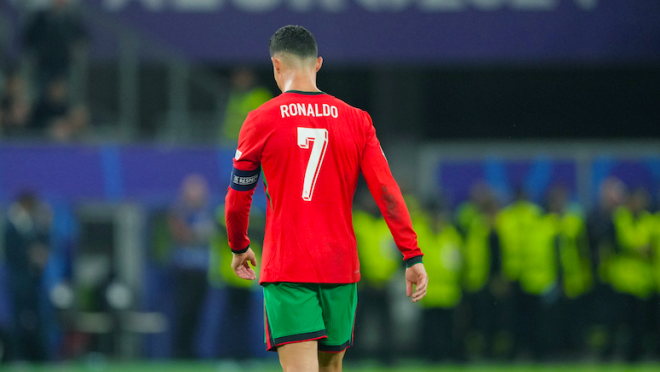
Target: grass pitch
<point x="271" y="366"/>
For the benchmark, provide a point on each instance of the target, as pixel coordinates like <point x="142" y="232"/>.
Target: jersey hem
<point x="302" y="282"/>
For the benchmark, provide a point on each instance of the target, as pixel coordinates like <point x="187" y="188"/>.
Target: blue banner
<point x="390" y="31"/>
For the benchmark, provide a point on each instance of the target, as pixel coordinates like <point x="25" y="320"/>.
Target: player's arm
<point x="386" y="192"/>
<point x="244" y="179"/>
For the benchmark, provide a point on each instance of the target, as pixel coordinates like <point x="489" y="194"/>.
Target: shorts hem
<point x="302" y="337"/>
<point x="333" y="351"/>
<point x="335" y="348"/>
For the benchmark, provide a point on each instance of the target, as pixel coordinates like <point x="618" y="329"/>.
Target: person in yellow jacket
<point x="555" y="272"/>
<point x="239" y="294"/>
<point x="444" y="259"/>
<point x="488" y="291"/>
<point x="515" y="226"/>
<point x="656" y="250"/>
<point x="656" y="263"/>
<point x="467" y="211"/>
<point x="379" y="262"/>
<point x="245" y="96"/>
<point x="630" y="271"/>
<point x="558" y="255"/>
<point x="576" y="279"/>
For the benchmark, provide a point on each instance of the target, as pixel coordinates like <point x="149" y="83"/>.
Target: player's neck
<point x="301" y="82"/>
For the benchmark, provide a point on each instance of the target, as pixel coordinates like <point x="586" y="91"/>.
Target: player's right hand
<point x="240" y="263"/>
<point x="416" y="274"/>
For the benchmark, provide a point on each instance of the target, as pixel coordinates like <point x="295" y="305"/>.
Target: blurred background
<point x="525" y="135"/>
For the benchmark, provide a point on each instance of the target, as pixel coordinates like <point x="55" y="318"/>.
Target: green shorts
<point x="297" y="312"/>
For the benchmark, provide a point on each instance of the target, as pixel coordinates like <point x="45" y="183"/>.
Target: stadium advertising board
<point x="445" y="31"/>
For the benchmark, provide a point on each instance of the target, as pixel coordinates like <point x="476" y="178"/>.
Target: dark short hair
<point x="295" y="40"/>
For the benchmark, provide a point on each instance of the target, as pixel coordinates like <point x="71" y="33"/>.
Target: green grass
<point x="220" y="366"/>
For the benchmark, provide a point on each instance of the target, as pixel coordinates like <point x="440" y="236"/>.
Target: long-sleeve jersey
<point x="310" y="148"/>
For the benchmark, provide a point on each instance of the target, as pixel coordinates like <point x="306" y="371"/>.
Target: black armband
<point x="413" y="261"/>
<point x="244" y="180"/>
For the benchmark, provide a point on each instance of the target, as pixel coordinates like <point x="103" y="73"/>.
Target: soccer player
<point x="310" y="147"/>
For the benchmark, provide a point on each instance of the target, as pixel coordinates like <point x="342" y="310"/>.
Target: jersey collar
<point x="303" y="92"/>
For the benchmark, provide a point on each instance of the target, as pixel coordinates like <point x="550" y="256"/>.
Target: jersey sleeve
<point x="244" y="179"/>
<point x="386" y="192"/>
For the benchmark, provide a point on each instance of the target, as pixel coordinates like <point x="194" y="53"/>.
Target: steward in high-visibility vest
<point x="477" y="254"/>
<point x="379" y="259"/>
<point x="515" y="226"/>
<point x="466" y="213"/>
<point x="656" y="251"/>
<point x="574" y="255"/>
<point x="538" y="269"/>
<point x="480" y="196"/>
<point x="630" y="270"/>
<point x="444" y="261"/>
<point x="478" y="249"/>
<point x="558" y="248"/>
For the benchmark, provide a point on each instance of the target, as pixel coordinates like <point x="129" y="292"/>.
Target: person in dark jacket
<point x="192" y="225"/>
<point x="27" y="251"/>
<point x="53" y="36"/>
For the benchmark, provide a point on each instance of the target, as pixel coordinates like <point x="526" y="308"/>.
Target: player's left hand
<point x="240" y="263"/>
<point x="416" y="274"/>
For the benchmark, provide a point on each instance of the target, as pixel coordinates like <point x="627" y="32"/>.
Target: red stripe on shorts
<point x="268" y="342"/>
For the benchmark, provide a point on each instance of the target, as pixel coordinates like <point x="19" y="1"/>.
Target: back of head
<point x="294" y="40"/>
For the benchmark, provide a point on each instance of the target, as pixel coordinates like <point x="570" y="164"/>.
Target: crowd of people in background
<point x="526" y="281"/>
<point x="40" y="92"/>
<point x="508" y="282"/>
<point x="35" y="99"/>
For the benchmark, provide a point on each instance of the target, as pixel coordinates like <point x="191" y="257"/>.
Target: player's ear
<point x="319" y="63"/>
<point x="277" y="64"/>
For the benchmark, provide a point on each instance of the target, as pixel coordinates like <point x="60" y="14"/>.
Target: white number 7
<point x="320" y="138"/>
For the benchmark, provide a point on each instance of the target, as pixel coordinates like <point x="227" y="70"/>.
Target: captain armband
<point x="244" y="180"/>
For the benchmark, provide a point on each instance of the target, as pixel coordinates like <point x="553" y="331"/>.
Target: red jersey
<point x="310" y="148"/>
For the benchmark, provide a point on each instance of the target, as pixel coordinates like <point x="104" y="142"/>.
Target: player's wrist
<point x="413" y="261"/>
<point x="240" y="251"/>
